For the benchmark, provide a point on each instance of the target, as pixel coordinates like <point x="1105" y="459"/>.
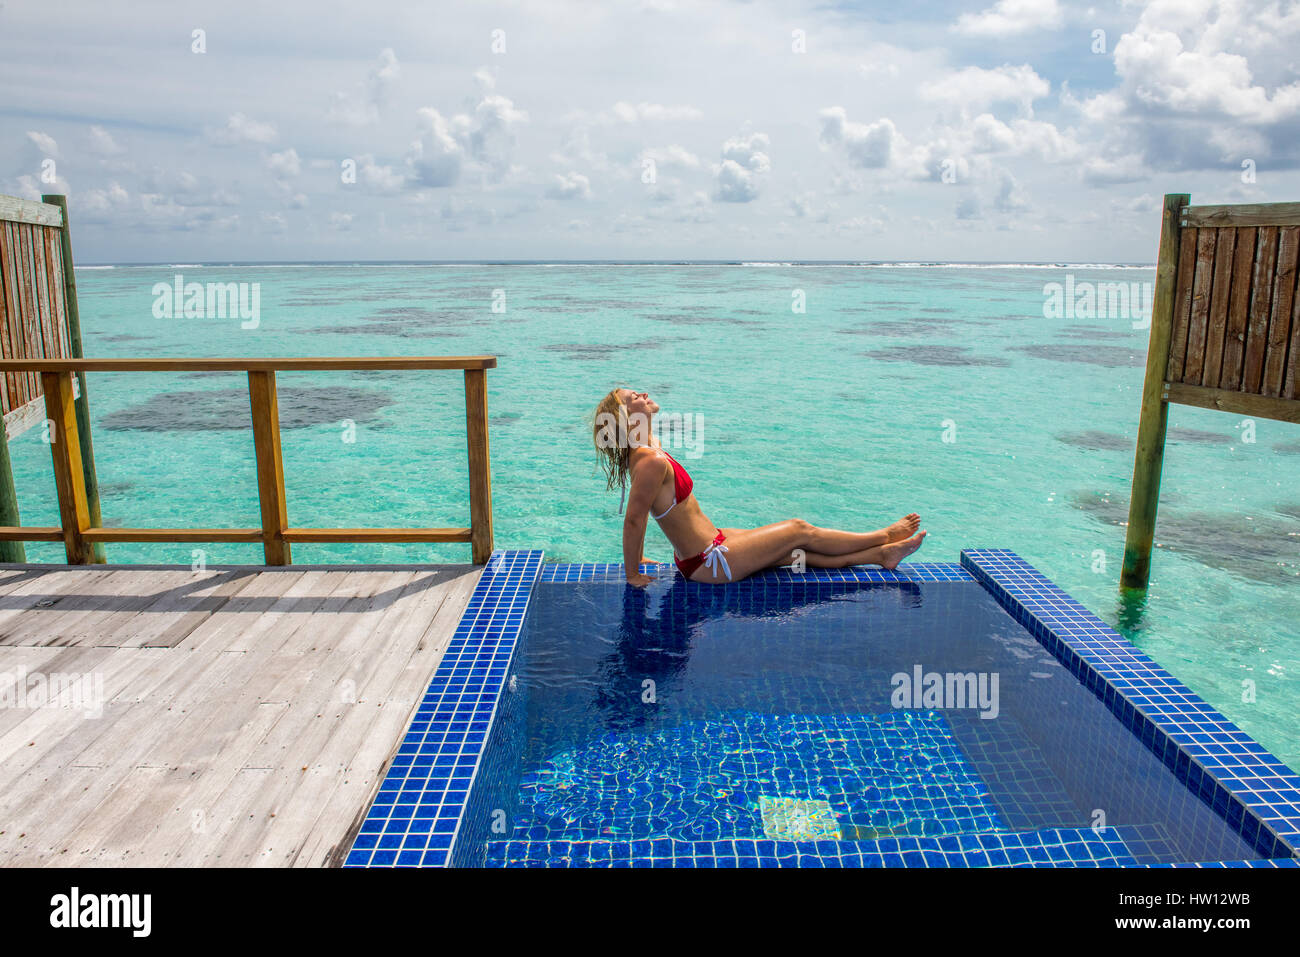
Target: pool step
<point x="1051" y="847"/>
<point x="737" y="774"/>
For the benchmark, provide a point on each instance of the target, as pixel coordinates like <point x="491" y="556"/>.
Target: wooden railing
<point x="276" y="535"/>
<point x="1225" y="334"/>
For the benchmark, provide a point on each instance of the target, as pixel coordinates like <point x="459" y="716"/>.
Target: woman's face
<point x="638" y="402"/>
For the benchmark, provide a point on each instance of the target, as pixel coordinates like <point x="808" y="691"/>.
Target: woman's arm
<point x="647" y="475"/>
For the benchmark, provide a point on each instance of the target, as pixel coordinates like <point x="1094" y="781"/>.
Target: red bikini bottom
<point x="688" y="565"/>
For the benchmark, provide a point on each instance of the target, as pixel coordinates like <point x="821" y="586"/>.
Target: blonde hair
<point x="612" y="449"/>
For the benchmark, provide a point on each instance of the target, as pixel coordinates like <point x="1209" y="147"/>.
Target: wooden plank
<point x="27" y="304"/>
<point x="136" y="717"/>
<point x="179" y="611"/>
<point x="13" y="397"/>
<point x="270" y="466"/>
<point x="1242" y="403"/>
<point x="1234" y="341"/>
<point x="21" y="419"/>
<point x="480" y="468"/>
<point x="42" y="340"/>
<point x="30" y="533"/>
<point x="68" y="278"/>
<point x="365" y="751"/>
<point x="286" y="809"/>
<point x="1291" y="380"/>
<point x="1279" y="322"/>
<point x="30" y="591"/>
<point x="1243" y="214"/>
<point x="17" y="724"/>
<point x="1169" y="300"/>
<point x="1182" y="303"/>
<point x="297" y="674"/>
<point x="95" y="595"/>
<point x="1217" y="327"/>
<point x="66" y="453"/>
<point x="16" y="210"/>
<point x="253" y="364"/>
<point x="1198" y="319"/>
<point x="124" y="609"/>
<point x="376" y="535"/>
<point x="137" y="591"/>
<point x="7" y="406"/>
<point x="193" y="730"/>
<point x="1261" y="304"/>
<point x="172" y="534"/>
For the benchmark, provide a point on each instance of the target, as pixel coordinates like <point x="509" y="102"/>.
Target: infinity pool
<point x="860" y="718"/>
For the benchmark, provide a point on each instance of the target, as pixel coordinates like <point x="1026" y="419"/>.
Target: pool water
<point x="940" y="390"/>
<point x="639" y="722"/>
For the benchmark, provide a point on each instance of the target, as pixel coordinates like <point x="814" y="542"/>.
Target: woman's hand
<point x="638" y="580"/>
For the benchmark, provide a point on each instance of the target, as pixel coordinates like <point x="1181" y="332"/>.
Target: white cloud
<point x="45" y="143"/>
<point x="672" y="156"/>
<point x="570" y="186"/>
<point x="868" y="145"/>
<point x="362" y="107"/>
<point x="978" y="88"/>
<point x="240" y="129"/>
<point x="1163" y="75"/>
<point x="744" y="160"/>
<point x="436" y="157"/>
<point x="632" y="113"/>
<point x="284" y="165"/>
<point x="377" y="177"/>
<point x="103" y="144"/>
<point x="1012" y="17"/>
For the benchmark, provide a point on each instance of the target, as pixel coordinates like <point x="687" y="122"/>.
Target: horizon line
<point x="903" y="263"/>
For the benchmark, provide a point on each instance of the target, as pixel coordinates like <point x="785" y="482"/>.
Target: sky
<point x="1008" y="130"/>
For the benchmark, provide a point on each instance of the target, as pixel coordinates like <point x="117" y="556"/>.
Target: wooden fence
<point x="1225" y="334"/>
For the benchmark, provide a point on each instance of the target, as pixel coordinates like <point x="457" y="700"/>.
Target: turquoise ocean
<point x="938" y="389"/>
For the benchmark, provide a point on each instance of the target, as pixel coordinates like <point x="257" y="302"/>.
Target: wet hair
<point x="609" y="432"/>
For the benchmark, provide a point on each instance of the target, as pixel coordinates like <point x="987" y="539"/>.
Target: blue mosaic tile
<point x="1056" y="847"/>
<point x="1252" y="789"/>
<point x="900" y="772"/>
<point x="431" y="774"/>
<point x="563" y="572"/>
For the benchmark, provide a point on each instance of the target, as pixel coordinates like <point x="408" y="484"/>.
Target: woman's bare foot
<point x="905" y="527"/>
<point x="895" y="552"/>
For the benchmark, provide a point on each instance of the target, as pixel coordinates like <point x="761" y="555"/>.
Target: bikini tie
<point x="713" y="558"/>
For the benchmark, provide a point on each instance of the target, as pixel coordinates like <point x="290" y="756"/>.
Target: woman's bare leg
<point x="832" y="541"/>
<point x="886" y="556"/>
<point x="751" y="550"/>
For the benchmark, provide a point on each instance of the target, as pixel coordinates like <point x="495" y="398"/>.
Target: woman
<point x="662" y="490"/>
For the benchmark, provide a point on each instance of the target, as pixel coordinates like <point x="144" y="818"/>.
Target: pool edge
<point x="477" y="661"/>
<point x="1194" y="740"/>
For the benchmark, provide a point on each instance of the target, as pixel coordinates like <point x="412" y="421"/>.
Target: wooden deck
<point x="248" y="713"/>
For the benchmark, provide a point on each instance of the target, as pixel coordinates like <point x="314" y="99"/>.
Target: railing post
<point x="480" y="472"/>
<point x="270" y="466"/>
<point x="69" y="480"/>
<point x="1149" y="458"/>
<point x="9" y="551"/>
<point x="73" y="316"/>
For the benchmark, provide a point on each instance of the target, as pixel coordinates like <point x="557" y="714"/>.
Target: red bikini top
<point x="682" y="486"/>
<point x="682" y="483"/>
